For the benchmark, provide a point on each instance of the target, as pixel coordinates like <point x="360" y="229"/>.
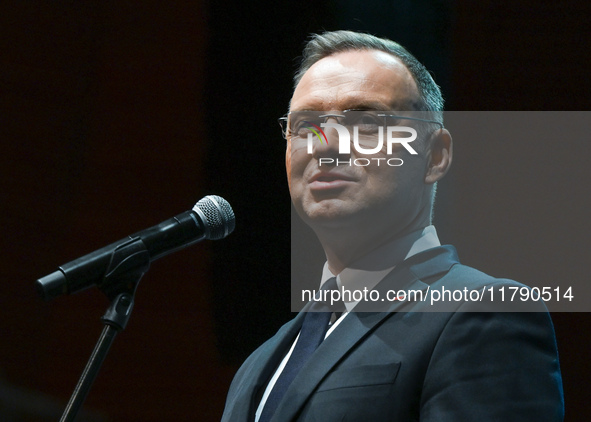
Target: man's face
<point x="385" y="197"/>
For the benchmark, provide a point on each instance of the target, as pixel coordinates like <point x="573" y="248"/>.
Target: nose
<point x="333" y="131"/>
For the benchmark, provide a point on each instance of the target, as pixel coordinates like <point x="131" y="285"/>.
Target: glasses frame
<point x="283" y="119"/>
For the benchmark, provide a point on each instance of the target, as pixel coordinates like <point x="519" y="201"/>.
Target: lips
<point x="330" y="180"/>
<point x="330" y="177"/>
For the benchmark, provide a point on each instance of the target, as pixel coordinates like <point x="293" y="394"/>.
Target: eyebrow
<point x="369" y="105"/>
<point x="406" y="105"/>
<point x="364" y="105"/>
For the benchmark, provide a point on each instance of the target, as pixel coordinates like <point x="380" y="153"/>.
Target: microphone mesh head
<point x="217" y="215"/>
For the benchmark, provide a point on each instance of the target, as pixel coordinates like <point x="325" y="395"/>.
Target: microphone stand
<point x="129" y="262"/>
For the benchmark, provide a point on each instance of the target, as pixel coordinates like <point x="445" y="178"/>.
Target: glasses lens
<point x="366" y="122"/>
<point x="303" y="123"/>
<point x="367" y="126"/>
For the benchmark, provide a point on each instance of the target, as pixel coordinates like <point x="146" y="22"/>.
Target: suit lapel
<point x="357" y="325"/>
<point x="259" y="368"/>
<point x="328" y="354"/>
<point x="416" y="274"/>
<point x="270" y="358"/>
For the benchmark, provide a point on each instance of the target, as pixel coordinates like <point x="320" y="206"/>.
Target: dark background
<point x="117" y="115"/>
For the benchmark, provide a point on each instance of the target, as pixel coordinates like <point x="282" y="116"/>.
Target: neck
<point x="344" y="247"/>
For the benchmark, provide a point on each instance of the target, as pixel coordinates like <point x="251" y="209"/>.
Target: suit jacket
<point x="407" y="362"/>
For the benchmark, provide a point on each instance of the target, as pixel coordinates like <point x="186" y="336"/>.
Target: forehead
<point x="356" y="79"/>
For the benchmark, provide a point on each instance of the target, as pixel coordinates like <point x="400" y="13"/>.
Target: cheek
<point x="295" y="165"/>
<point x="385" y="180"/>
<point x="382" y="181"/>
<point x="288" y="163"/>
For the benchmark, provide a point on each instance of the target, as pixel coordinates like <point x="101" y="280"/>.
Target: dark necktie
<point x="313" y="330"/>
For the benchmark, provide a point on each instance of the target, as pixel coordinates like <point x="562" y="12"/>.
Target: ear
<point x="439" y="156"/>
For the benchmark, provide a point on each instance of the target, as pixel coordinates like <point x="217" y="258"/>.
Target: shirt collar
<point x="369" y="270"/>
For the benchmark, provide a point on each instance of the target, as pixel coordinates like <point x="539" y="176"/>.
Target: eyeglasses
<point x="297" y="125"/>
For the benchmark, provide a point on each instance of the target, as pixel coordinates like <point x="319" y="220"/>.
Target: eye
<point x="391" y="119"/>
<point x="302" y="125"/>
<point x="394" y="120"/>
<point x="366" y="121"/>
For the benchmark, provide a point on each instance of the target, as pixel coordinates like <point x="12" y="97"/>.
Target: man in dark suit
<point x="462" y="357"/>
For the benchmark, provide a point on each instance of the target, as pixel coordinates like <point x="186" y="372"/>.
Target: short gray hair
<point x="323" y="45"/>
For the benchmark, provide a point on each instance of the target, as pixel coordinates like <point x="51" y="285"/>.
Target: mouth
<point x="330" y="180"/>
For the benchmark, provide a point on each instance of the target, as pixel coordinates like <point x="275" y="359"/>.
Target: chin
<point x="329" y="213"/>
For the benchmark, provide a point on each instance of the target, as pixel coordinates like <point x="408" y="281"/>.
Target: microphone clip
<point x="128" y="263"/>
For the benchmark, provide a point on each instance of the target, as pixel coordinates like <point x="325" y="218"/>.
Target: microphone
<point x="211" y="218"/>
